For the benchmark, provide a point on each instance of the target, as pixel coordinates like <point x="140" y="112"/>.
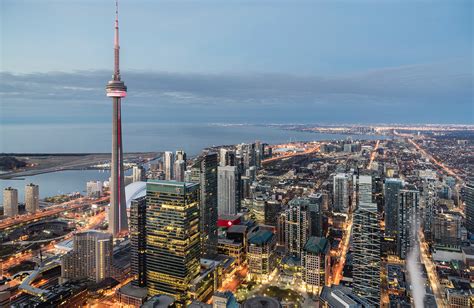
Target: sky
<point x="239" y="61"/>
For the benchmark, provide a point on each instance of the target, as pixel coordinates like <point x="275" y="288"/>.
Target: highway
<point x="292" y="154"/>
<point x="50" y="211"/>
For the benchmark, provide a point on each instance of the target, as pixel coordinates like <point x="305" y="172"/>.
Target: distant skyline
<point x="239" y="61"/>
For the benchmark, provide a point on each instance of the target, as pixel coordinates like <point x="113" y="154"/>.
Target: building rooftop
<point x="134" y="291"/>
<point x="261" y="237"/>
<point x="237" y="229"/>
<point x="159" y="301"/>
<point x="318" y="245"/>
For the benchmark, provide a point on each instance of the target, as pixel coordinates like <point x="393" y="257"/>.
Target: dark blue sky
<point x="239" y="61"/>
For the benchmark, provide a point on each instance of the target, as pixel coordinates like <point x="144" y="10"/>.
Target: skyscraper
<point x="117" y="90"/>
<point x="32" y="198"/>
<point x="91" y="257"/>
<point x="407" y="208"/>
<point x="138" y="173"/>
<point x="138" y="240"/>
<point x="469" y="199"/>
<point x="172" y="237"/>
<point x="366" y="253"/>
<point x="364" y="189"/>
<point x="10" y="202"/>
<point x="391" y="191"/>
<point x="228" y="190"/>
<point x="296" y="226"/>
<point x="316" y="264"/>
<point x="315" y="212"/>
<point x="204" y="172"/>
<point x="341" y="193"/>
<point x="179" y="169"/>
<point x="168" y="165"/>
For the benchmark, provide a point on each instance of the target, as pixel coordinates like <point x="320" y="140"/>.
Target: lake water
<point x="137" y="137"/>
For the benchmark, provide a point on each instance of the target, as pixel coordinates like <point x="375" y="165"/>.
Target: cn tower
<point x="117" y="90"/>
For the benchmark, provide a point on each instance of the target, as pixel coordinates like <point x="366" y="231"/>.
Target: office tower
<point x="204" y="172"/>
<point x="168" y="165"/>
<point x="172" y="237"/>
<point x="181" y="155"/>
<point x="364" y="189"/>
<point x="407" y="209"/>
<point x="117" y="90"/>
<point x="138" y="173"/>
<point x="469" y="199"/>
<point x="10" y="202"/>
<point x="246" y="152"/>
<point x="366" y="253"/>
<point x="138" y="240"/>
<point x="228" y="190"/>
<point x="315" y="212"/>
<point x="391" y="191"/>
<point x="341" y="193"/>
<point x="91" y="257"/>
<point x="32" y="198"/>
<point x="179" y="169"/>
<point x="261" y="254"/>
<point x="272" y="211"/>
<point x="316" y="264"/>
<point x="296" y="226"/>
<point x="94" y="189"/>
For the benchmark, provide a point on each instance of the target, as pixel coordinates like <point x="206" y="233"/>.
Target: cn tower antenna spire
<point x="116" y="46"/>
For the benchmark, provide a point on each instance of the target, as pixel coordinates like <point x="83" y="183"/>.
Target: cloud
<point x="414" y="87"/>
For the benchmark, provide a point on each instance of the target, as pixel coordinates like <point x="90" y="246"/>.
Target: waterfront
<point x="144" y="137"/>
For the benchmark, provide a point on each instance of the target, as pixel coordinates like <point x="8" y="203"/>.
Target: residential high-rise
<point x="94" y="189"/>
<point x="391" y="193"/>
<point x="296" y="226"/>
<point x="228" y="190"/>
<point x="138" y="240"/>
<point x="316" y="264"/>
<point x="226" y="157"/>
<point x="138" y="173"/>
<point x="168" y="165"/>
<point x="407" y="209"/>
<point x="181" y="155"/>
<point x="204" y="172"/>
<point x="364" y="189"/>
<point x="172" y="237"/>
<point x="32" y="198"/>
<point x="179" y="169"/>
<point x="366" y="253"/>
<point x="341" y="193"/>
<point x="10" y="202"/>
<point x="447" y="229"/>
<point x="117" y="90"/>
<point x="469" y="199"/>
<point x="91" y="257"/>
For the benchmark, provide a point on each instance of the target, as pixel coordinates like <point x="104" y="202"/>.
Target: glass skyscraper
<point x="366" y="257"/>
<point x="138" y="240"/>
<point x="204" y="172"/>
<point x="172" y="236"/>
